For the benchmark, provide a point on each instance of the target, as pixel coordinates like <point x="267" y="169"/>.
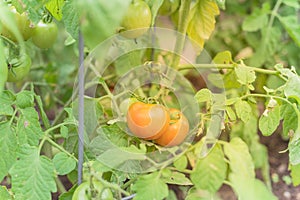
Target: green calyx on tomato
<point x="19" y="69"/>
<point x="44" y="35"/>
<point x="168" y="7"/>
<point x="136" y="20"/>
<point x="147" y="121"/>
<point x="23" y="24"/>
<point x="92" y="190"/>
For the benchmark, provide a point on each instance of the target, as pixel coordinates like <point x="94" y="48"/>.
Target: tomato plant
<point x="44" y="34"/>
<point x="149" y="99"/>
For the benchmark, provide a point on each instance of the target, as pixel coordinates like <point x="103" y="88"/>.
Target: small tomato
<point x="19" y="70"/>
<point x="177" y="130"/>
<point x="147" y="121"/>
<point x="85" y="192"/>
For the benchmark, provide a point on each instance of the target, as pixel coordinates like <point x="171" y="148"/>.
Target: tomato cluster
<point x="167" y="127"/>
<point x="43" y="34"/>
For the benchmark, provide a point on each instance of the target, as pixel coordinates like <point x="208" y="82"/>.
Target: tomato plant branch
<point x="274" y="13"/>
<point x="182" y="28"/>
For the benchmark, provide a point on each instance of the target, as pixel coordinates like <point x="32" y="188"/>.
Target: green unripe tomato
<point x="168" y="7"/>
<point x="44" y="35"/>
<point x="23" y="24"/>
<point x="20" y="70"/>
<point x="136" y="20"/>
<point x="84" y="192"/>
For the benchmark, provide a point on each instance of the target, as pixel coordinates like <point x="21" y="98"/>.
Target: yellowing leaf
<point x="202" y="20"/>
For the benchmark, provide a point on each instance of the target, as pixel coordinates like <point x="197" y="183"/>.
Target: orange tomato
<point x="177" y="130"/>
<point x="147" y="121"/>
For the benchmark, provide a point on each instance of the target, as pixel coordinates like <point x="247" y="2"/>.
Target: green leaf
<point x="42" y="111"/>
<point x="55" y="8"/>
<point x="100" y="19"/>
<point x="294" y="151"/>
<point x="291" y="88"/>
<point x="202" y="21"/>
<point x="210" y="171"/>
<point x="3" y="67"/>
<point x="71" y="19"/>
<point x="150" y="186"/>
<point x="223" y="57"/>
<point x="128" y="61"/>
<point x="204" y="95"/>
<point x="29" y="129"/>
<point x="291" y="25"/>
<point x="7" y="99"/>
<point x="8" y="149"/>
<point x="154" y="6"/>
<point x="63" y="163"/>
<point x="268" y="45"/>
<point x="269" y="121"/>
<point x="291" y="3"/>
<point x="64" y="131"/>
<point x="33" y="176"/>
<point x="176" y="178"/>
<point x="181" y="163"/>
<point x="257" y="20"/>
<point x="243" y="110"/>
<point x="197" y="194"/>
<point x="25" y="99"/>
<point x="295" y="173"/>
<point x="4" y="194"/>
<point x="240" y="159"/>
<point x="245" y="75"/>
<point x="290" y="118"/>
<point x="69" y="194"/>
<point x="33" y="8"/>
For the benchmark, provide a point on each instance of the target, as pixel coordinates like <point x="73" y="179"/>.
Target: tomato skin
<point x="147" y="121"/>
<point x="83" y="192"/>
<point x="23" y="24"/>
<point x="168" y="7"/>
<point x="176" y="132"/>
<point x="136" y="20"/>
<point x="17" y="73"/>
<point x="45" y="35"/>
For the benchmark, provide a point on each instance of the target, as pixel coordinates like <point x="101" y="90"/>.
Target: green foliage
<point x="38" y="116"/>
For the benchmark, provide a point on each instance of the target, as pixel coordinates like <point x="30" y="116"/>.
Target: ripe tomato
<point x="85" y="192"/>
<point x="147" y="121"/>
<point x="136" y="20"/>
<point x="44" y="35"/>
<point x="18" y="71"/>
<point x="23" y="24"/>
<point x="168" y="7"/>
<point x="177" y="130"/>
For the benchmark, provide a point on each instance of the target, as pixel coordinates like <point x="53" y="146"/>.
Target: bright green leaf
<point x="150" y="187"/>
<point x="243" y="110"/>
<point x="29" y="128"/>
<point x="210" y="171"/>
<point x="197" y="194"/>
<point x="181" y="163"/>
<point x="223" y="57"/>
<point x="204" y="95"/>
<point x="245" y="75"/>
<point x="257" y="20"/>
<point x="294" y="151"/>
<point x="6" y="101"/>
<point x="33" y="176"/>
<point x="290" y="118"/>
<point x="64" y="131"/>
<point x="291" y="25"/>
<point x="269" y="121"/>
<point x="292" y="3"/>
<point x="295" y="173"/>
<point x="25" y="99"/>
<point x="63" y="163"/>
<point x="55" y="8"/>
<point x="176" y="178"/>
<point x="4" y="194"/>
<point x="202" y="21"/>
<point x="8" y="148"/>
<point x="240" y="159"/>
